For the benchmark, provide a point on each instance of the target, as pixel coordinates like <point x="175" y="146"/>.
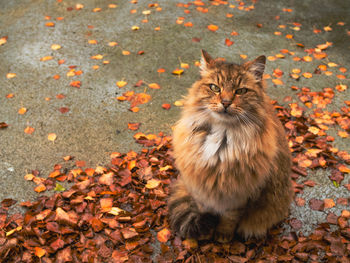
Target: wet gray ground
<point x="96" y="123"/>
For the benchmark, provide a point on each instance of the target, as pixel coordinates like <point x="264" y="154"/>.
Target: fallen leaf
<point x="178" y="72"/>
<point x="153" y="183"/>
<point x="212" y="27"/>
<point x="121" y="83"/>
<point x="29" y="130"/>
<point x="134" y="126"/>
<point x="55" y="46"/>
<point x="39" y="252"/>
<point x="154" y="86"/>
<point x="163" y="235"/>
<point x="52" y="137"/>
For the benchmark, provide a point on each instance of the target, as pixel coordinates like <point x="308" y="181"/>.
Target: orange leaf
<point x="46" y="58"/>
<point x="135" y="109"/>
<point x="29" y="130"/>
<point x="213" y="27"/>
<point x="277" y="82"/>
<point x="75" y="83"/>
<point x="55" y="173"/>
<point x="40" y="188"/>
<point x="125" y="52"/>
<point x="163" y="235"/>
<point x="10" y="75"/>
<point x="343" y="134"/>
<point x="307" y="75"/>
<point x="161" y="70"/>
<point x="133" y="126"/>
<point x="3" y="40"/>
<point x="343" y="168"/>
<point x="22" y="111"/>
<point x="98" y="56"/>
<point x="112" y="44"/>
<point x="92" y="41"/>
<point x="39" y="252"/>
<point x="154" y="86"/>
<point x="328" y="203"/>
<point x="184" y="65"/>
<point x="307" y="58"/>
<point x="50" y="24"/>
<point x="131" y="164"/>
<point x="106" y="204"/>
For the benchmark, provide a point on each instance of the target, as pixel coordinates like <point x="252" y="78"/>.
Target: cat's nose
<point x="226" y="103"/>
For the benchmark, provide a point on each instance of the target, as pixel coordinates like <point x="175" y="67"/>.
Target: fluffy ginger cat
<point x="232" y="155"/>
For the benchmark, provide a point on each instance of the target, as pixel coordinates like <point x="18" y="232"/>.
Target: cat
<point x="232" y="155"/>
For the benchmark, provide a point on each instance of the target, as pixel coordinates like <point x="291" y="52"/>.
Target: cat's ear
<point x="257" y="67"/>
<point x="206" y="61"/>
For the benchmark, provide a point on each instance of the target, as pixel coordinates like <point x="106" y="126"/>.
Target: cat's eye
<point x="241" y="91"/>
<point x="214" y="88"/>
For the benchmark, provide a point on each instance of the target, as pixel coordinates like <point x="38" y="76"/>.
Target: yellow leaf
<point x="332" y="64"/>
<point x="116" y="211"/>
<point x="98" y="56"/>
<point x="29" y="177"/>
<point x="135" y="28"/>
<point x="52" y="137"/>
<point x="167" y="167"/>
<point x="13" y="230"/>
<point x="55" y="46"/>
<point x="313" y="130"/>
<point x="178" y="72"/>
<point x="153" y="183"/>
<point x="178" y="103"/>
<point x="79" y="6"/>
<point x="121" y="83"/>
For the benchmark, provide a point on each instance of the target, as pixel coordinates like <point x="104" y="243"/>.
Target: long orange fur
<point x="232" y="155"/>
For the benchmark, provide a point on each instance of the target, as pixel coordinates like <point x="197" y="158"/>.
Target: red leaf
<point x="228" y="42"/>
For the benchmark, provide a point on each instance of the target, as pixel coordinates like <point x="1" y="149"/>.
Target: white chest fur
<point x="227" y="144"/>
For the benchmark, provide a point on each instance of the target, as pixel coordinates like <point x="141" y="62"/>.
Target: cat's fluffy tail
<point x="185" y="217"/>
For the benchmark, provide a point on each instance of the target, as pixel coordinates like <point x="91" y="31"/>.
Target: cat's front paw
<point x="223" y="237"/>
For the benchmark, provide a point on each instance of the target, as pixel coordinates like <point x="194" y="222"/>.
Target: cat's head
<point x="228" y="91"/>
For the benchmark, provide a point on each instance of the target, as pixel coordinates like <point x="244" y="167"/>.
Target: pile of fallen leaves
<point x="119" y="214"/>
